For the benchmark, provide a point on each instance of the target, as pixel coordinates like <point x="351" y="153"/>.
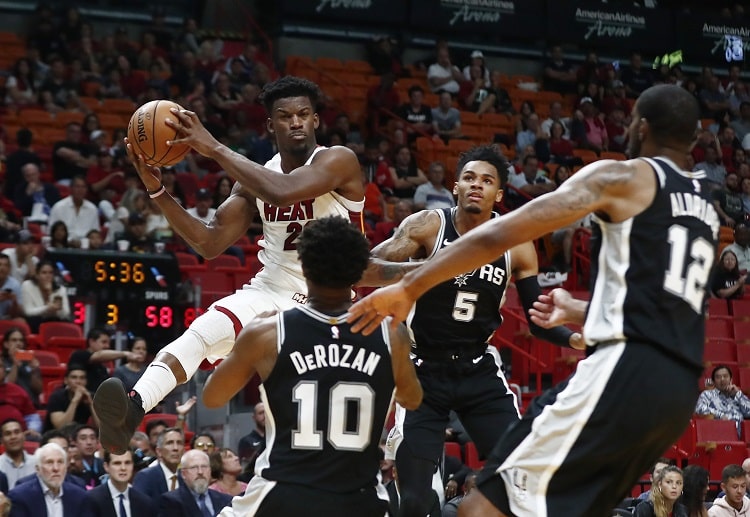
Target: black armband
<point x="528" y="292"/>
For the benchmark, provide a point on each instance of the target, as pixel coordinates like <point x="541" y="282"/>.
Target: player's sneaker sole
<point x="119" y="415"/>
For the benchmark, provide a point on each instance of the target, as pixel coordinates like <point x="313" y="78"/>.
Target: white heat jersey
<point x="283" y="225"/>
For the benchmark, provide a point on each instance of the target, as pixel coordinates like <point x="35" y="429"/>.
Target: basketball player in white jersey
<point x="301" y="183"/>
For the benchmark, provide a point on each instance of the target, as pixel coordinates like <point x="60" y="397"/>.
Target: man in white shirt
<point x="79" y="215"/>
<point x="433" y="194"/>
<point x="555" y="115"/>
<point x="22" y="259"/>
<point x="15" y="462"/>
<point x="741" y="246"/>
<point x="443" y="75"/>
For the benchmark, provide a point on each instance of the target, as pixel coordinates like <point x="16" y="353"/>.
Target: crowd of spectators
<point x="81" y="191"/>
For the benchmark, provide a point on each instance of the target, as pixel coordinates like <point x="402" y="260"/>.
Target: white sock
<point x="155" y="384"/>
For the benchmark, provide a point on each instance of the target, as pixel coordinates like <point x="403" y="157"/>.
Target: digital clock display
<point x="135" y="292"/>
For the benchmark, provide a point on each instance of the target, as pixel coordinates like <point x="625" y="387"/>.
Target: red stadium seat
<point x="719" y="329"/>
<point x="716" y="352"/>
<point x="169" y="418"/>
<point x="51" y="329"/>
<point x="453" y="449"/>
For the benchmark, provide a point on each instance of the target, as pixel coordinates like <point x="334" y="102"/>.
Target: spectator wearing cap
<point x="23" y="261"/>
<point x="202" y="209"/>
<point x="106" y="182"/>
<point x="33" y="196"/>
<point x="588" y="130"/>
<point x="477" y="59"/>
<point x="79" y="214"/>
<point x="136" y="233"/>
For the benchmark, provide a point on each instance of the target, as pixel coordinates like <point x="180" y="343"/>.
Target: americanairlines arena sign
<point x="618" y="27"/>
<point x="704" y="36"/>
<point x="607" y="24"/>
<point x="477" y="11"/>
<point x="346" y="12"/>
<point x="492" y="18"/>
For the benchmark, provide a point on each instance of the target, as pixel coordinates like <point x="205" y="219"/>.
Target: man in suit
<point x="193" y="498"/>
<point x="116" y="498"/>
<point x="60" y="438"/>
<point x="164" y="476"/>
<point x="49" y="494"/>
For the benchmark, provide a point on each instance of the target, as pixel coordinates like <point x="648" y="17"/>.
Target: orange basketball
<point x="148" y="134"/>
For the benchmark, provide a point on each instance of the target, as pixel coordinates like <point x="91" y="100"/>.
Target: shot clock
<point x="135" y="292"/>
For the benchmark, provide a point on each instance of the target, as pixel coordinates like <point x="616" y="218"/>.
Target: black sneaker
<point x="119" y="415"/>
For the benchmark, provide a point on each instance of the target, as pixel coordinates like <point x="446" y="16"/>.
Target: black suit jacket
<point x="181" y="503"/>
<point x="99" y="503"/>
<point x="27" y="500"/>
<point x="151" y="481"/>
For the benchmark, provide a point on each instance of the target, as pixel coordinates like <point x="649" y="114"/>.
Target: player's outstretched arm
<point x="389" y="262"/>
<point x="408" y="388"/>
<point x="231" y="222"/>
<point x="336" y="168"/>
<point x="619" y="189"/>
<point x="254" y="351"/>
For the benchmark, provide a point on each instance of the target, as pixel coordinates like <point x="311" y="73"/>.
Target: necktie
<point x="173" y="485"/>
<point x="203" y="507"/>
<point x="123" y="512"/>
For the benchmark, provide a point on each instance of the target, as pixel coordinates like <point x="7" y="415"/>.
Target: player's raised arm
<point x="231" y="222"/>
<point x="389" y="262"/>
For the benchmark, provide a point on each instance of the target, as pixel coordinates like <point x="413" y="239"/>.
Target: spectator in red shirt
<point x="133" y="85"/>
<point x="17" y="405"/>
<point x="105" y="180"/>
<point x="617" y="130"/>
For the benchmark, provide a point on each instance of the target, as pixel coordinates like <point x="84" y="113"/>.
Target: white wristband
<point x="158" y="193"/>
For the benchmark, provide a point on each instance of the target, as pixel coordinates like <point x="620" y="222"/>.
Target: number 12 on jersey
<point x="692" y="286"/>
<point x="307" y="435"/>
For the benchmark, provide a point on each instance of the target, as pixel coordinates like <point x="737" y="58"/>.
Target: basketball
<point x="148" y="134"/>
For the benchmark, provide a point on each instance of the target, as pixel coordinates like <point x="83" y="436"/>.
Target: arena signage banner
<point x="497" y="19"/>
<point x="705" y="38"/>
<point x="392" y="12"/>
<point x="598" y="25"/>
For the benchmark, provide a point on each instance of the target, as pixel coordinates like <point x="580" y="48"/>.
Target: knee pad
<point x="211" y="335"/>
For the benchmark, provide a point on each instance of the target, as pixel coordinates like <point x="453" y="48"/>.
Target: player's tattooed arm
<point x="412" y="240"/>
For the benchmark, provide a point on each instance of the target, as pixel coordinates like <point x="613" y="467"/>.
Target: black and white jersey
<point x="464" y="310"/>
<point x="650" y="272"/>
<point x="326" y="401"/>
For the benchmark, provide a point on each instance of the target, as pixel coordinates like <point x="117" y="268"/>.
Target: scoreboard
<point x="132" y="292"/>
